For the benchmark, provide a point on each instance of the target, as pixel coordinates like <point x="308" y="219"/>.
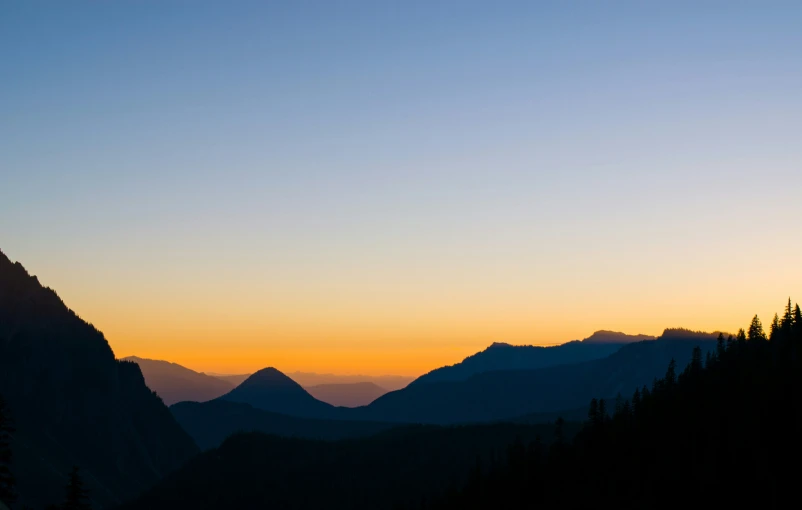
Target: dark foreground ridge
<point x="74" y="404"/>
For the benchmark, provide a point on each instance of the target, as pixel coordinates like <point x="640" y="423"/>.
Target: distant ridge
<point x="614" y="337"/>
<point x="347" y="395"/>
<point x="503" y="356"/>
<point x="175" y="383"/>
<point x="510" y="394"/>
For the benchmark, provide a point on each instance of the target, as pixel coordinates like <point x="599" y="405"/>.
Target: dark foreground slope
<point x="397" y="468"/>
<point x="174" y="383"/>
<point x="501" y="356"/>
<point x="724" y="433"/>
<point x="512" y="393"/>
<point x="210" y="423"/>
<point x="74" y="403"/>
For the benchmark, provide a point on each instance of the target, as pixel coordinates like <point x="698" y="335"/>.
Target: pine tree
<point x="7" y="492"/>
<point x="775" y="327"/>
<point x="756" y="333"/>
<point x="593" y="412"/>
<point x="720" y="347"/>
<point x="741" y="338"/>
<point x="77" y="496"/>
<point x="671" y="373"/>
<point x="636" y="402"/>
<point x="696" y="360"/>
<point x="619" y="404"/>
<point x="788" y="317"/>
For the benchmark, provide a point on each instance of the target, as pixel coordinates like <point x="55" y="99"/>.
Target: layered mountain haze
<point x="387" y="382"/>
<point x="175" y="383"/>
<point x="348" y="394"/>
<point x="73" y="403"/>
<point x="234" y="380"/>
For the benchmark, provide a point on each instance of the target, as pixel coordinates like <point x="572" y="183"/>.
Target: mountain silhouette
<point x="505" y="394"/>
<point x="210" y="423"/>
<point x="174" y="383"/>
<point x="270" y="390"/>
<point x="73" y="403"/>
<point x="502" y="356"/>
<point x="347" y="395"/>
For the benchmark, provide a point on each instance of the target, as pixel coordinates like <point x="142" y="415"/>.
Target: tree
<point x="593" y="412"/>
<point x="788" y="317"/>
<point x="720" y="347"/>
<point x="775" y="327"/>
<point x="741" y="338"/>
<point x="7" y="493"/>
<point x="77" y="496"/>
<point x="671" y="373"/>
<point x="602" y="411"/>
<point x="696" y="360"/>
<point x="756" y="333"/>
<point x="636" y="402"/>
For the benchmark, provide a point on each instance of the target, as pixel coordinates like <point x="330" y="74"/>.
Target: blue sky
<point x="357" y="164"/>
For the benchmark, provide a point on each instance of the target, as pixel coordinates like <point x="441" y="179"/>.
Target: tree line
<point x="725" y="431"/>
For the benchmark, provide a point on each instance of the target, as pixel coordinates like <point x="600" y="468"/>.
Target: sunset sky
<point x="387" y="187"/>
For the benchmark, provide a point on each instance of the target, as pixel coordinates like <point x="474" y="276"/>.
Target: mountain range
<point x="271" y="402"/>
<point x="175" y="383"/>
<point x="502" y="356"/>
<point x="73" y="403"/>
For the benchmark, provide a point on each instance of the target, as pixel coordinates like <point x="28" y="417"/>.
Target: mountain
<point x="270" y="390"/>
<point x="347" y="395"/>
<point x="499" y="395"/>
<point x="210" y="423"/>
<point x="174" y="383"/>
<point x="73" y="403"/>
<point x="309" y="379"/>
<point x="502" y="356"/>
<point x="388" y="382"/>
<point x="397" y="468"/>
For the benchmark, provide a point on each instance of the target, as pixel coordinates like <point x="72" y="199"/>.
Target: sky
<point x="387" y="187"/>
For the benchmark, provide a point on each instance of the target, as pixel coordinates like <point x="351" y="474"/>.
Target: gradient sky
<point x="387" y="187"/>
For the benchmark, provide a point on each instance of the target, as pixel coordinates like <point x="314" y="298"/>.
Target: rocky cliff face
<point x="75" y="404"/>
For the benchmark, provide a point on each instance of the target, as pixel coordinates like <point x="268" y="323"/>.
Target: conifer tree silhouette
<point x="77" y="497"/>
<point x="756" y="333"/>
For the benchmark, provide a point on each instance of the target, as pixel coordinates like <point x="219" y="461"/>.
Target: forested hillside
<point x="722" y="432"/>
